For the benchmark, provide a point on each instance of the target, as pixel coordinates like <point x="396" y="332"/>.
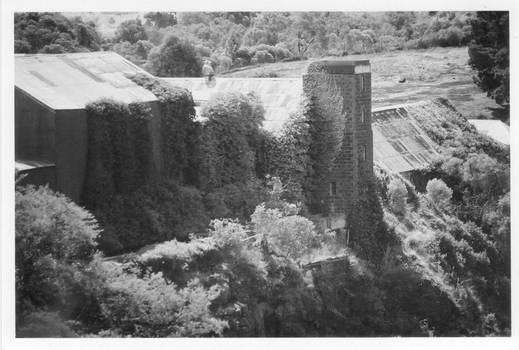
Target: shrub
<point x="44" y="325"/>
<point x="174" y="58"/>
<point x="245" y="54"/>
<point x="292" y="235"/>
<point x="149" y="306"/>
<point x="153" y="213"/>
<point x="224" y="63"/>
<point x="131" y="31"/>
<point x="55" y="242"/>
<point x="438" y="193"/>
<point x="397" y="192"/>
<point x="262" y="57"/>
<point x="486" y="175"/>
<point x="282" y="53"/>
<point x="230" y="139"/>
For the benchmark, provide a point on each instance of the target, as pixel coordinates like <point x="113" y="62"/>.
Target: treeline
<point x="236" y="39"/>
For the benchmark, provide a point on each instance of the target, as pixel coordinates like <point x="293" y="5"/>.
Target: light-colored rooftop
<point x="72" y="80"/>
<point x="280" y="96"/>
<point x="24" y="165"/>
<point x="495" y="129"/>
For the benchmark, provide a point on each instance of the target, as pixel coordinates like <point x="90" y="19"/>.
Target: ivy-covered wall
<point x="341" y="146"/>
<point x="119" y="150"/>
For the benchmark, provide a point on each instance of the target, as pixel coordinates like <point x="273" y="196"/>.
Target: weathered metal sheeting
<point x="24" y="165"/>
<point x="280" y="96"/>
<point x="399" y="143"/>
<point x="495" y="129"/>
<point x="72" y="80"/>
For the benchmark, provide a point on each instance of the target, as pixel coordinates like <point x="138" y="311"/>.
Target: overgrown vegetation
<point x="489" y="54"/>
<point x="47" y="32"/>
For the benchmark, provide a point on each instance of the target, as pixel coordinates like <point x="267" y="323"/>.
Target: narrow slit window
<point x="333" y="188"/>
<point x="363" y="116"/>
<point x="362" y="153"/>
<point x="363" y="82"/>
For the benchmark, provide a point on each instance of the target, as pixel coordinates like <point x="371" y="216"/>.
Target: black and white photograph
<point x="258" y="174"/>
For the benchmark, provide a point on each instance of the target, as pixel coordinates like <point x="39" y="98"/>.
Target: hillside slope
<point x="431" y="73"/>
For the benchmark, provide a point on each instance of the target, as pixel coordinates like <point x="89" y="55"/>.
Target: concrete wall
<point x="71" y="152"/>
<point x="337" y="89"/>
<point x="34" y="129"/>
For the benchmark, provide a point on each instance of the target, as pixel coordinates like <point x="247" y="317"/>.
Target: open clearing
<point x="431" y="73"/>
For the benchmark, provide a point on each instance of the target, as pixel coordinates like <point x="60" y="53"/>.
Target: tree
<point x="174" y="58"/>
<point x="438" y="193"/>
<point x="489" y="54"/>
<point x="398" y="196"/>
<point x="131" y="30"/>
<point x="55" y="242"/>
<point x="161" y="19"/>
<point x="53" y="33"/>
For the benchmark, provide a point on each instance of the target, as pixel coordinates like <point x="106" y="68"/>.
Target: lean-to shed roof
<point x="399" y="143"/>
<point x="72" y="80"/>
<point x="495" y="129"/>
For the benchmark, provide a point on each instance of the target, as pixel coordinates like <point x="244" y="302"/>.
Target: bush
<point x="174" y="58"/>
<point x="131" y="31"/>
<point x="224" y="63"/>
<point x="230" y="139"/>
<point x="44" y="325"/>
<point x="55" y="242"/>
<point x="438" y="193"/>
<point x="150" y="306"/>
<point x="292" y="236"/>
<point x="262" y="57"/>
<point x="153" y="213"/>
<point x="397" y="193"/>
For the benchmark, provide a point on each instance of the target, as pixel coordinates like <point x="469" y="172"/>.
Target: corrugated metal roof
<point x="495" y="129"/>
<point x="399" y="143"/>
<point x="280" y="96"/>
<point x="23" y="165"/>
<point x="72" y="80"/>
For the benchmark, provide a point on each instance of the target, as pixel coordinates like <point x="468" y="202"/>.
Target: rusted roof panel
<point x="280" y="96"/>
<point x="399" y="143"/>
<point x="72" y="80"/>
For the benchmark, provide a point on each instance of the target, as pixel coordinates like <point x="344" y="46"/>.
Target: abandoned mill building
<point x="51" y="92"/>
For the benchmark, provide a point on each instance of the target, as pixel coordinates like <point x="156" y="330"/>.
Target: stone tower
<point x="339" y="92"/>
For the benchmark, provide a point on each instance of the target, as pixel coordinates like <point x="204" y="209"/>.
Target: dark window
<point x="333" y="189"/>
<point x="362" y="153"/>
<point x="363" y="82"/>
<point x="363" y="116"/>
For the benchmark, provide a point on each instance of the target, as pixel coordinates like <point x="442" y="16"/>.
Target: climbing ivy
<point x="230" y="140"/>
<point x="119" y="150"/>
<point x="178" y="129"/>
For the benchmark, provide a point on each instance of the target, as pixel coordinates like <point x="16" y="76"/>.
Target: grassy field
<point x="431" y="73"/>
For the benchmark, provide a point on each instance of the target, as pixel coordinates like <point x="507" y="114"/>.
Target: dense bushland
<point x="176" y="44"/>
<point x="274" y="276"/>
<point x="489" y="54"/>
<point x="47" y="32"/>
